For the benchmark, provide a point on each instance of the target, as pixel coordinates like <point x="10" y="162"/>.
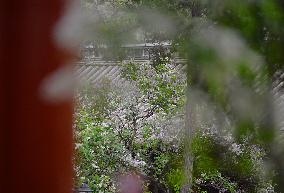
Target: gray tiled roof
<point x="97" y="70"/>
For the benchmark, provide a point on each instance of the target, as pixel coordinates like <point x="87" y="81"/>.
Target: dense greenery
<point x="137" y="126"/>
<point x="131" y="126"/>
<point x="233" y="49"/>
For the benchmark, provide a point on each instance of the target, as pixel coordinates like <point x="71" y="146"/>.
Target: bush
<point x="223" y="165"/>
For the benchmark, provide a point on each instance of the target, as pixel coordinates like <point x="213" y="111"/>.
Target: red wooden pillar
<point x="35" y="135"/>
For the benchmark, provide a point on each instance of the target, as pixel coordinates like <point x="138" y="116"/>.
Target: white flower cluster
<point x="133" y="108"/>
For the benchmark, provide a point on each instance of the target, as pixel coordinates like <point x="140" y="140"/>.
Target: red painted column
<point x="35" y="135"/>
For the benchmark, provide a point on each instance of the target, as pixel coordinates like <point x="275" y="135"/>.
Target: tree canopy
<point x="234" y="56"/>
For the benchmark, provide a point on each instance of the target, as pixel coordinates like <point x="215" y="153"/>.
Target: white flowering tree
<point x="134" y="125"/>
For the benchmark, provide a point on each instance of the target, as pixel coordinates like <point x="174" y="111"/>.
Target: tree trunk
<point x="188" y="157"/>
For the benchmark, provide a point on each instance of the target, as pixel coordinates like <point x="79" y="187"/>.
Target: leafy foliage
<point x="130" y="126"/>
<point x="233" y="49"/>
<point x="223" y="165"/>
